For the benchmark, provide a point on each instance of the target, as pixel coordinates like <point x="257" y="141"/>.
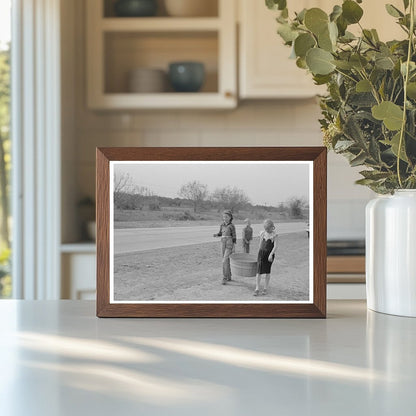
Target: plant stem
<point x="373" y="88"/>
<point x="406" y="80"/>
<point x="346" y="75"/>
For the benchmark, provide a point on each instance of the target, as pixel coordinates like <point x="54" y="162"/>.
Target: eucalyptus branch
<point x="392" y="90"/>
<point x="398" y="95"/>
<point x="346" y="75"/>
<point x="365" y="61"/>
<point x="406" y="80"/>
<point x="373" y="88"/>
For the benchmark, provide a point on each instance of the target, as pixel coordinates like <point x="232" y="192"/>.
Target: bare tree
<point x="296" y="206"/>
<point x="195" y="192"/>
<point x="127" y="195"/>
<point x="123" y="183"/>
<point x="230" y="198"/>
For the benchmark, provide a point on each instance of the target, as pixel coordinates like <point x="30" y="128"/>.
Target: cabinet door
<point x="376" y="17"/>
<point x="265" y="68"/>
<point x="78" y="276"/>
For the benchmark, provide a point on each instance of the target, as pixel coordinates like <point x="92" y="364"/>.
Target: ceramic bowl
<point x="147" y="80"/>
<point x="135" y="8"/>
<point x="92" y="230"/>
<point x="186" y="76"/>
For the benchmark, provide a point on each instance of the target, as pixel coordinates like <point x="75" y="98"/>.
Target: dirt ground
<point x="194" y="273"/>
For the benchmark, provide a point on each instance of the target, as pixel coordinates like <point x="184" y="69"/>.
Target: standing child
<point x="228" y="239"/>
<point x="247" y="236"/>
<point x="265" y="258"/>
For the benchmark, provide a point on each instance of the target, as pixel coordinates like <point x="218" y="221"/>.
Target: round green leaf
<point x="333" y="32"/>
<point x="363" y="86"/>
<point x="301" y="63"/>
<point x="358" y="61"/>
<point x="411" y="90"/>
<point x="328" y="38"/>
<point x="391" y="114"/>
<point x="351" y="11"/>
<point x="336" y="12"/>
<point x="393" y="11"/>
<point x="344" y="65"/>
<point x="384" y="62"/>
<point x="276" y="4"/>
<point x="316" y="20"/>
<point x="324" y="41"/>
<point x="301" y="15"/>
<point x="319" y="61"/>
<point x="394" y="145"/>
<point x="303" y="43"/>
<point x="287" y="33"/>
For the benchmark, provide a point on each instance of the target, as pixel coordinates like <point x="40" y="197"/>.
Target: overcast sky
<point x="263" y="183"/>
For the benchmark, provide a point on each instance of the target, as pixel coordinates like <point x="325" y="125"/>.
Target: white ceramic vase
<point x="391" y="253"/>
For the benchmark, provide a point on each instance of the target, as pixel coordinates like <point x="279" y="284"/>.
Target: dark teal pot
<point x="186" y="76"/>
<point x="135" y="8"/>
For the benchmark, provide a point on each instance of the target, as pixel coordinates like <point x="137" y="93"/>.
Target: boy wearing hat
<point x="228" y="239"/>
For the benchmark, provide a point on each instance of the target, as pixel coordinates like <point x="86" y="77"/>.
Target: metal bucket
<point x="244" y="265"/>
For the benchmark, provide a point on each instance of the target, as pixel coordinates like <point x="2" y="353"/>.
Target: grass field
<point x="179" y="216"/>
<point x="194" y="273"/>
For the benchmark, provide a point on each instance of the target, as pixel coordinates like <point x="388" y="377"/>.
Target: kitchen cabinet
<point x="78" y="263"/>
<point x="265" y="70"/>
<point x="118" y="45"/>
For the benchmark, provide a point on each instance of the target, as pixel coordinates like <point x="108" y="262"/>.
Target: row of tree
<point x="128" y="196"/>
<point x="228" y="197"/>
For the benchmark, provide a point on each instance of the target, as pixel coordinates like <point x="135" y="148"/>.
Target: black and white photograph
<point x="189" y="231"/>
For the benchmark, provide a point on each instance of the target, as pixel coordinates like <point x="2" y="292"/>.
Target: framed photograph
<point x="211" y="232"/>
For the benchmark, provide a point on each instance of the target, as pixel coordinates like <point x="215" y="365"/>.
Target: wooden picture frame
<point x="315" y="157"/>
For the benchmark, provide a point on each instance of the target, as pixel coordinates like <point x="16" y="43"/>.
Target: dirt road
<point x="141" y="239"/>
<point x="194" y="273"/>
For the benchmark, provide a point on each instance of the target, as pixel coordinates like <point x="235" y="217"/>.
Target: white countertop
<point x="57" y="358"/>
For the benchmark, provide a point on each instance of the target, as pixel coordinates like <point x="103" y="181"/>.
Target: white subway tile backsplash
<point x="145" y="120"/>
<point x="232" y="138"/>
<point x="346" y="219"/>
<point x="259" y="123"/>
<point x="173" y="138"/>
<point x="86" y="180"/>
<point x="307" y="113"/>
<point x="280" y="137"/>
<point x="96" y="120"/>
<point x="202" y="120"/>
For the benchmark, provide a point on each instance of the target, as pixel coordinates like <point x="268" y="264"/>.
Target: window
<point x="5" y="147"/>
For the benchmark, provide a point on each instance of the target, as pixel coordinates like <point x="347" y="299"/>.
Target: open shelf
<point x="211" y="9"/>
<point x="167" y="100"/>
<point x="160" y="24"/>
<point x="119" y="45"/>
<point x="126" y="51"/>
<point x="80" y="247"/>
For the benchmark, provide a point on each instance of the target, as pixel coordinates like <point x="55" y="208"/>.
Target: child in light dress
<point x="266" y="255"/>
